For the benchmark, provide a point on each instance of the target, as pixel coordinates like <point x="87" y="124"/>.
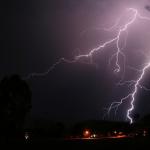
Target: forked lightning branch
<point x="131" y="97"/>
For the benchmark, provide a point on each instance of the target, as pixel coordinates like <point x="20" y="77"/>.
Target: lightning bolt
<point x="137" y="83"/>
<point x="131" y="95"/>
<point x="116" y="55"/>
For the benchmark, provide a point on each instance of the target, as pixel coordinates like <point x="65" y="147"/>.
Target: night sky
<point x="36" y="33"/>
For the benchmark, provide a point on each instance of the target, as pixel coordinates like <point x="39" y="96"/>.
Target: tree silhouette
<point x="146" y="119"/>
<point x="15" y="102"/>
<point x="136" y="117"/>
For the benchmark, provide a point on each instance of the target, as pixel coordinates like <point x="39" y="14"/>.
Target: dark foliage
<point x="15" y="102"/>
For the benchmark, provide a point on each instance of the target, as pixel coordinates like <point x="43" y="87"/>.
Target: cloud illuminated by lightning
<point x="119" y="53"/>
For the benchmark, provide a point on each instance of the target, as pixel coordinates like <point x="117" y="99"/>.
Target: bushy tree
<point x="15" y="102"/>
